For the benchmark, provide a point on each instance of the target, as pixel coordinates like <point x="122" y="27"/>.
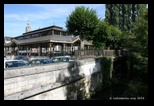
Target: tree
<point x="116" y="18"/>
<point x="129" y="21"/>
<point x="133" y="17"/>
<point x="112" y="14"/>
<point x="115" y="36"/>
<point x="100" y="35"/>
<point x="138" y="58"/>
<point x="138" y="45"/>
<point x="137" y="11"/>
<point x="107" y="13"/>
<point x="106" y="35"/>
<point x="82" y="21"/>
<point x="123" y="16"/>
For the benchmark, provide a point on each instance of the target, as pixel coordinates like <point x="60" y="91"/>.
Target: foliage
<point x="123" y="16"/>
<point x="99" y="88"/>
<point x="100" y="35"/>
<point x="82" y="21"/>
<point x="106" y="68"/>
<point x="106" y="35"/>
<point x="138" y="45"/>
<point x="140" y="33"/>
<point x="136" y="89"/>
<point x="114" y="36"/>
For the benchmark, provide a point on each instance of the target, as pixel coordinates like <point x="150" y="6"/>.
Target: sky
<point x="16" y="16"/>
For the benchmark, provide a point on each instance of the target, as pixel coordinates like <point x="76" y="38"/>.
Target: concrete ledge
<point x="39" y="81"/>
<point x="15" y="72"/>
<point x="41" y="89"/>
<point x="30" y="70"/>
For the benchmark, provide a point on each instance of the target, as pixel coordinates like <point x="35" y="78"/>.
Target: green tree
<point x="123" y="16"/>
<point x="101" y="34"/>
<point x="106" y="36"/>
<point x="82" y="21"/>
<point x="116" y="17"/>
<point x="137" y="11"/>
<point x="141" y="9"/>
<point x="138" y="58"/>
<point x="133" y="17"/>
<point x="107" y="13"/>
<point x="112" y="14"/>
<point x="129" y="21"/>
<point x="115" y="36"/>
<point x="138" y="45"/>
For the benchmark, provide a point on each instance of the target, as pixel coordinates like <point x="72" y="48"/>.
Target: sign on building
<point x="34" y="50"/>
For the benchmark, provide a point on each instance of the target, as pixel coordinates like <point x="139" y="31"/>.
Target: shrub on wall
<point x="106" y="69"/>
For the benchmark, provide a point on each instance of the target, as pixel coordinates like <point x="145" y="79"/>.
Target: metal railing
<point x="90" y="53"/>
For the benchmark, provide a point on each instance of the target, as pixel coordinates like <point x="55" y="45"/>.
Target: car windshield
<point x="40" y="61"/>
<point x="46" y="61"/>
<point x="24" y="58"/>
<point x="65" y="59"/>
<point x="21" y="58"/>
<point x="10" y="64"/>
<point x="56" y="59"/>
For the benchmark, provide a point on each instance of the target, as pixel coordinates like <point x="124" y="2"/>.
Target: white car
<point x="14" y="63"/>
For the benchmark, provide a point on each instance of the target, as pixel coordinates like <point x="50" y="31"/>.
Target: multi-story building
<point x="41" y="42"/>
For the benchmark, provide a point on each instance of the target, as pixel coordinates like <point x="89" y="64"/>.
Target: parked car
<point x="62" y="59"/>
<point x="39" y="61"/>
<point x="14" y="63"/>
<point x="24" y="58"/>
<point x="5" y="58"/>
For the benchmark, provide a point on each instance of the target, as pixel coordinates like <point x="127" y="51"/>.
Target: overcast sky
<point x="40" y="16"/>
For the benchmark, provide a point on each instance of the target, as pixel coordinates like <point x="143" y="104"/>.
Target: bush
<point x="136" y="89"/>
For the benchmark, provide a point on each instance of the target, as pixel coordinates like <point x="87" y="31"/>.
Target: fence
<point x="84" y="53"/>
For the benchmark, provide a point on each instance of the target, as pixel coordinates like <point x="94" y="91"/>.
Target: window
<point x="57" y="32"/>
<point x="45" y="33"/>
<point x="65" y="59"/>
<point x="35" y="35"/>
<point x="20" y="38"/>
<point x="37" y="62"/>
<point x="56" y="59"/>
<point x="63" y="33"/>
<point x="45" y="62"/>
<point x="33" y="62"/>
<point x="14" y="64"/>
<point x="27" y="36"/>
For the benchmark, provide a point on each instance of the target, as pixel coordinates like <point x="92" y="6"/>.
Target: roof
<point x="62" y="56"/>
<point x="12" y="60"/>
<point x="44" y="29"/>
<point x="49" y="38"/>
<point x="54" y="27"/>
<point x="8" y="44"/>
<point x="8" y="38"/>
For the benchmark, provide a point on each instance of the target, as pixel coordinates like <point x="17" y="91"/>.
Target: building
<point x="7" y="39"/>
<point x="42" y="42"/>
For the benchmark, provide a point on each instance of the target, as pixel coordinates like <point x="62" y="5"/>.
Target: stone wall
<point x="60" y="81"/>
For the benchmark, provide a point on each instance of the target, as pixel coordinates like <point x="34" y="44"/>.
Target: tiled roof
<point x="49" y="38"/>
<point x="52" y="38"/>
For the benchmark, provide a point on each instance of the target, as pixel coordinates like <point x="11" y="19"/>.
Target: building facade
<point x="52" y="40"/>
